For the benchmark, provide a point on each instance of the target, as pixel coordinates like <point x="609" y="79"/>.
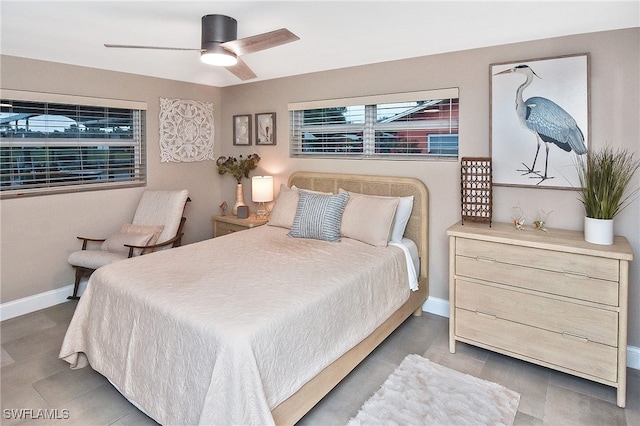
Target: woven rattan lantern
<point x="476" y="189"/>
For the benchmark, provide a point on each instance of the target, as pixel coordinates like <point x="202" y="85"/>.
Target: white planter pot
<point x="598" y="231"/>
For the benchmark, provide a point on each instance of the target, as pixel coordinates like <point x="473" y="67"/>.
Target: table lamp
<point x="261" y="193"/>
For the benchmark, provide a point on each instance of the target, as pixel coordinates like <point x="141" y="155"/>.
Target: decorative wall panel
<point x="186" y="130"/>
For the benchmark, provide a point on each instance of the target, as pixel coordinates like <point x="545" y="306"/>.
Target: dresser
<point x="223" y="225"/>
<point x="549" y="298"/>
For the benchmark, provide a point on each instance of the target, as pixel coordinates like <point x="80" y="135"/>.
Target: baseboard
<point x="26" y="305"/>
<point x="29" y="304"/>
<point x="440" y="307"/>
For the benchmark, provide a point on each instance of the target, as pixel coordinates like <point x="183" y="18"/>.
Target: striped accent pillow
<point x="318" y="216"/>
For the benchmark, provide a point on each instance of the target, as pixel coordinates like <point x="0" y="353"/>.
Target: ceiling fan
<point x="220" y="45"/>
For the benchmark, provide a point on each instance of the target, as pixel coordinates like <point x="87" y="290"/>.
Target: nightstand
<point x="223" y="225"/>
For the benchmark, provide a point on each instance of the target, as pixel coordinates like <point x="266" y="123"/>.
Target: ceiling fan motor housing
<point x="218" y="29"/>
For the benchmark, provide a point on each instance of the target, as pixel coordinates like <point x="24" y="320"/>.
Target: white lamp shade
<point x="262" y="189"/>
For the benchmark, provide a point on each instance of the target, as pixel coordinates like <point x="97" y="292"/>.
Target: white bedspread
<point x="222" y="331"/>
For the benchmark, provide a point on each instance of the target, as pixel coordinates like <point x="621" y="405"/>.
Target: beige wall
<point x="35" y="245"/>
<point x="38" y="233"/>
<point x="615" y="107"/>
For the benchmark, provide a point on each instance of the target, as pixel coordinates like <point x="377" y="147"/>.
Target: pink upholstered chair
<point x="157" y="225"/>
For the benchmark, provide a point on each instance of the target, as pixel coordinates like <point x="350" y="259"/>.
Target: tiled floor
<point x="33" y="378"/>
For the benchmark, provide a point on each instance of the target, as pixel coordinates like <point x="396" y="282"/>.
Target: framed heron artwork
<point x="539" y="117"/>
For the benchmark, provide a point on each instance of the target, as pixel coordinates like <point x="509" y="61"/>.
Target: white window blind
<point x="59" y="143"/>
<point x="402" y="125"/>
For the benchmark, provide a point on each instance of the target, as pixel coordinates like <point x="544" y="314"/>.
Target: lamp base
<point x="262" y="212"/>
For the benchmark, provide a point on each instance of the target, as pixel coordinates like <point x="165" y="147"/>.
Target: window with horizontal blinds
<point x="414" y="125"/>
<point x="59" y="143"/>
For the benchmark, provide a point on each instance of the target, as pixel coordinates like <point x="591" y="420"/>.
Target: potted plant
<point x="604" y="176"/>
<point x="239" y="168"/>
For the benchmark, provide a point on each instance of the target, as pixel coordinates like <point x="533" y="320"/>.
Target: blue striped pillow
<point x="318" y="216"/>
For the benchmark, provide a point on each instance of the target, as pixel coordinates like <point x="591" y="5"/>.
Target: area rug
<point x="420" y="392"/>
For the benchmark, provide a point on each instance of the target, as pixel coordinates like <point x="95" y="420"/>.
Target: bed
<point x="255" y="327"/>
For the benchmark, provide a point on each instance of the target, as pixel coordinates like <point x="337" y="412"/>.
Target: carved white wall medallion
<point x="186" y="130"/>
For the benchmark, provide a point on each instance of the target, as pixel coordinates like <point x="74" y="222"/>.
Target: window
<point x="414" y="125"/>
<point x="57" y="143"/>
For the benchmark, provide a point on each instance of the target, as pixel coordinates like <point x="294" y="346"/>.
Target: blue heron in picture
<point x="548" y="120"/>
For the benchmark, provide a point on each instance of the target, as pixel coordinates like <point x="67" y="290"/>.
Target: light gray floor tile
<point x="6" y="358"/>
<point x="523" y="419"/>
<point x="27" y="372"/>
<point x="135" y="418"/>
<point x="583" y="386"/>
<point x="529" y="380"/>
<point x="566" y="407"/>
<point x="32" y="376"/>
<point x="25" y="325"/>
<point x="101" y="406"/>
<point x="68" y="384"/>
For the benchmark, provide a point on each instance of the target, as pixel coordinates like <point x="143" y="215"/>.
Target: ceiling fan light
<point x="219" y="57"/>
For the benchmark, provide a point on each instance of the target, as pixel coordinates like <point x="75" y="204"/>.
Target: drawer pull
<point x="574" y="336"/>
<point x="572" y="274"/>
<point x="486" y="314"/>
<point x="485" y="259"/>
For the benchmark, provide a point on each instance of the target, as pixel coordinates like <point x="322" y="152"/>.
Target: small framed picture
<point x="242" y="129"/>
<point x="266" y="128"/>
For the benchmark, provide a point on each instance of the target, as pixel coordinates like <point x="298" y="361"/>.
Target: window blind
<point x="53" y="145"/>
<point x="403" y="125"/>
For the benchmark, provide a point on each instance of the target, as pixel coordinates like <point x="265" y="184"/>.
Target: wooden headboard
<point x="393" y="186"/>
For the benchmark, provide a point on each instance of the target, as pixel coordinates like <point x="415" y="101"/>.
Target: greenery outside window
<point x="59" y="143"/>
<point x="415" y="125"/>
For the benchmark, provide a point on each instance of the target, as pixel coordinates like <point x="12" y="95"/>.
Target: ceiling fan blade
<point x="131" y="46"/>
<point x="259" y="42"/>
<point x="241" y="70"/>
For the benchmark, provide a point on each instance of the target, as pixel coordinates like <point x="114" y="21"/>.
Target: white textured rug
<point x="420" y="392"/>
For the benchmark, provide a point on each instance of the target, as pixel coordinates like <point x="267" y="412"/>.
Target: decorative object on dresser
<point x="262" y="193"/>
<point x="239" y="168"/>
<point x="476" y="189"/>
<point x="223" y="225"/>
<point x="421" y="392"/>
<point x="548" y="298"/>
<point x="243" y="212"/>
<point x="604" y="177"/>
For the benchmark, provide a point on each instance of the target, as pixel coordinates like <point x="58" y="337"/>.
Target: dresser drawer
<point x="562" y="262"/>
<point x="576" y="320"/>
<point x="223" y="228"/>
<point x="526" y="268"/>
<point x="560" y="350"/>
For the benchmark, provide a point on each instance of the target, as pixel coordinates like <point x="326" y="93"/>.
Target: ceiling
<point x="333" y="34"/>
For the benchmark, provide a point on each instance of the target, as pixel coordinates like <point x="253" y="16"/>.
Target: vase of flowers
<point x="604" y="177"/>
<point x="238" y="168"/>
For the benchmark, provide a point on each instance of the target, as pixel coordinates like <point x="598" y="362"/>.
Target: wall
<point x="35" y="245"/>
<point x="38" y="233"/>
<point x="615" y="77"/>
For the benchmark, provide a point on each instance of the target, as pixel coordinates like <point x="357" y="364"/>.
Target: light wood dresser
<point x="545" y="297"/>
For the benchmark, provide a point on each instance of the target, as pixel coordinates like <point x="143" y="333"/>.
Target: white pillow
<point x="403" y="213"/>
<point x="401" y="218"/>
<point x="156" y="230"/>
<point x="284" y="209"/>
<point x="368" y="218"/>
<point x="115" y="243"/>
